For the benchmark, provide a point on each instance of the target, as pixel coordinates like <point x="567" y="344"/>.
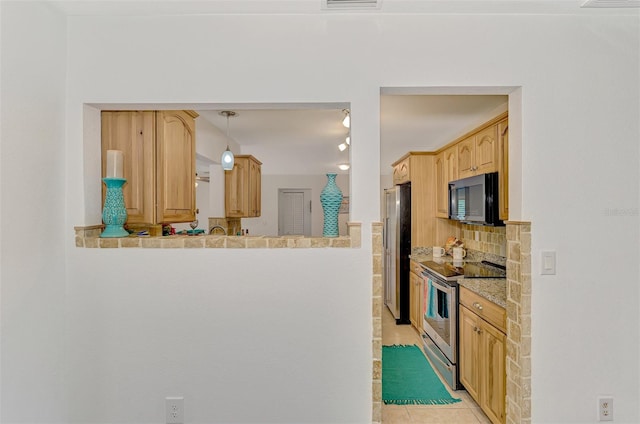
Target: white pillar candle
<point x="114" y="164"/>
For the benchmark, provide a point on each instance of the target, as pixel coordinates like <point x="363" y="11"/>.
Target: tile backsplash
<point x="485" y="239"/>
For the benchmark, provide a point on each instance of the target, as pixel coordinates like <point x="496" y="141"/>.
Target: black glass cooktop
<point x="484" y="270"/>
<point x="451" y="271"/>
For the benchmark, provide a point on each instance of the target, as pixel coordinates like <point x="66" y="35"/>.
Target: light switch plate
<point x="548" y="262"/>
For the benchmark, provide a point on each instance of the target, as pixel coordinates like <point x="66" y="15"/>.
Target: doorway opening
<point x="294" y="212"/>
<point x="517" y="235"/>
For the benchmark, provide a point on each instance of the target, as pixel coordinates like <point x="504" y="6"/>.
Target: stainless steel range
<point x="440" y="321"/>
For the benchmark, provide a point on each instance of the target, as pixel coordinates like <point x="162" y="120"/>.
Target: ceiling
<point x="192" y="7"/>
<point x="304" y="140"/>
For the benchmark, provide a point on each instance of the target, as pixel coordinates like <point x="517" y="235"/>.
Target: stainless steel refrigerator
<point x="397" y="248"/>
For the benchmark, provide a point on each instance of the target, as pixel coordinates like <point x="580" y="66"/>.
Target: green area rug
<point x="408" y="379"/>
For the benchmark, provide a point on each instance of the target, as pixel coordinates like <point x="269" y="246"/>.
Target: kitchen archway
<point x="517" y="236"/>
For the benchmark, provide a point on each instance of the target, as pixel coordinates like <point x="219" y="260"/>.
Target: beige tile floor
<point x="465" y="412"/>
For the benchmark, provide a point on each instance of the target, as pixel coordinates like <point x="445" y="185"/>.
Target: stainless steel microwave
<point x="475" y="200"/>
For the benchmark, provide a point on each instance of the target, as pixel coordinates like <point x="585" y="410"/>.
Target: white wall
<point x="284" y="336"/>
<point x="267" y="223"/>
<point x="32" y="225"/>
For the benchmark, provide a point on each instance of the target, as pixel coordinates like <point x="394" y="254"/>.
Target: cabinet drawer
<point x="492" y="313"/>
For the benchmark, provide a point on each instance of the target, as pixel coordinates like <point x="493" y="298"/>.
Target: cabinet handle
<point x="477" y="330"/>
<point x="477" y="306"/>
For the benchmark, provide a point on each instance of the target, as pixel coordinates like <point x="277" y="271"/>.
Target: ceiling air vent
<point x="611" y="3"/>
<point x="351" y="4"/>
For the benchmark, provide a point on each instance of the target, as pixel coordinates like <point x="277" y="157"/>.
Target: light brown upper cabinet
<point x="483" y="150"/>
<point x="446" y="167"/>
<point x="417" y="168"/>
<point x="478" y="153"/>
<point x="159" y="163"/>
<point x="243" y="188"/>
<point x="503" y="168"/>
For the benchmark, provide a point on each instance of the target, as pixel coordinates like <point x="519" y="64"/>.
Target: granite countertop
<point x="492" y="289"/>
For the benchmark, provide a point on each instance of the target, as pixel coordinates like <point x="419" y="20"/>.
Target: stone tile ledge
<point x="89" y="237"/>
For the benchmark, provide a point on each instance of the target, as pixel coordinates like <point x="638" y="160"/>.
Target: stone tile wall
<point x="377" y="302"/>
<point x="518" y="364"/>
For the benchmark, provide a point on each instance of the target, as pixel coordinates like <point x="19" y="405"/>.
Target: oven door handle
<point x="438" y="284"/>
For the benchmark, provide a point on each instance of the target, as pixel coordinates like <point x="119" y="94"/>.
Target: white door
<point x="294" y="212"/>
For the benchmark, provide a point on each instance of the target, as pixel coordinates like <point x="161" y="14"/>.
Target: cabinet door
<point x="133" y="132"/>
<point x="450" y="163"/>
<point x="466" y="159"/>
<point x="486" y="150"/>
<point x="414" y="296"/>
<point x="493" y="373"/>
<point x="450" y="166"/>
<point x="176" y="167"/>
<point x="255" y="189"/>
<point x="441" y="187"/>
<point x="469" y="352"/>
<point x="503" y="169"/>
<point x="237" y="189"/>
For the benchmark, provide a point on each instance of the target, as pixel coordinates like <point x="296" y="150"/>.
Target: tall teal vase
<point x="114" y="214"/>
<point x="330" y="198"/>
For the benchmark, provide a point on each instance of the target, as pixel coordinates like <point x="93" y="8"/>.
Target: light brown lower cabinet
<point x="482" y="362"/>
<point x="415" y="295"/>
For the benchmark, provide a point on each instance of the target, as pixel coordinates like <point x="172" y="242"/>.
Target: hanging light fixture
<point x="347" y="120"/>
<point x="227" y="158"/>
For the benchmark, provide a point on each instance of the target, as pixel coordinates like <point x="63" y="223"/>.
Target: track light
<point x="227" y="158"/>
<point x="347" y="120"/>
<point x="343" y="146"/>
<point x="344" y="166"/>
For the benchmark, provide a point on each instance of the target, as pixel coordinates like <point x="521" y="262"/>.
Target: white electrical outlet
<point x="174" y="407"/>
<point x="605" y="408"/>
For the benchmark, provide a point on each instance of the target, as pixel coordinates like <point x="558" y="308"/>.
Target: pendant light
<point x="227" y="158"/>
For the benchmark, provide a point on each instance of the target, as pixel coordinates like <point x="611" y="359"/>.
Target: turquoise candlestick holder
<point x="114" y="214"/>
